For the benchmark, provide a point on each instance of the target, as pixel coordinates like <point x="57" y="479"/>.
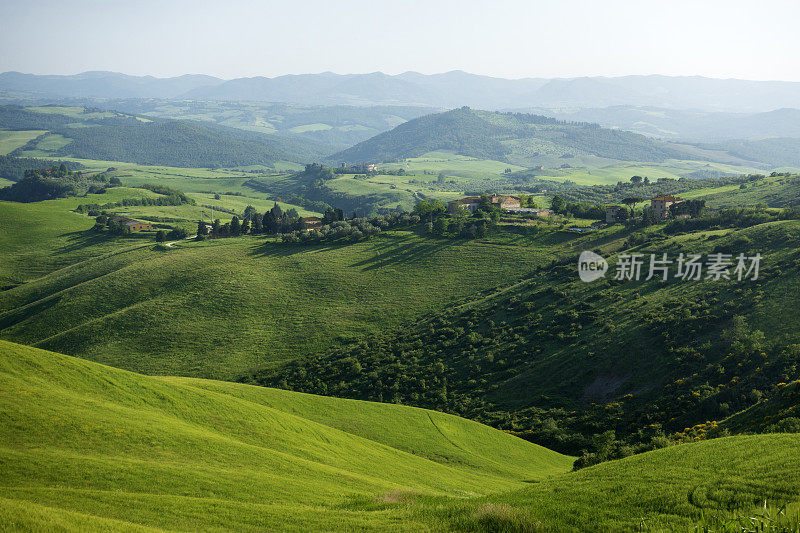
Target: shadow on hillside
<point x="77" y="240"/>
<point x="281" y="249"/>
<point x="398" y="253"/>
<point x="387" y="251"/>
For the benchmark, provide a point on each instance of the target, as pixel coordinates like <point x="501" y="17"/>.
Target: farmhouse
<point x="612" y="213"/>
<point x="470" y="203"/>
<point x="133" y="225"/>
<point x="360" y="167"/>
<point x="473" y="202"/>
<point x="660" y="204"/>
<point x="505" y="202"/>
<point x="310" y="222"/>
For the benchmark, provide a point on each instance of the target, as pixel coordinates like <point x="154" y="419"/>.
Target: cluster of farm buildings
<point x="508" y="203"/>
<point x="660" y="206"/>
<point x="133" y="225"/>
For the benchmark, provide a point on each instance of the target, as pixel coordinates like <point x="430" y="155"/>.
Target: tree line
<point x="57" y="181"/>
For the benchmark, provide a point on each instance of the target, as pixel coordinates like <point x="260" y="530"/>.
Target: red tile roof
<point x="666" y="198"/>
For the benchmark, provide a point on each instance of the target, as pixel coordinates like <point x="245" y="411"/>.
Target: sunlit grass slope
<point x="218" y="308"/>
<point x="39" y="237"/>
<point x="84" y="446"/>
<point x="712" y="482"/>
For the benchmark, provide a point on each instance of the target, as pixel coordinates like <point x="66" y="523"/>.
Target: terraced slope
<point x="84" y="445"/>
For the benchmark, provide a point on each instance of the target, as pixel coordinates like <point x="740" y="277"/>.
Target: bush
<point x="177" y="234"/>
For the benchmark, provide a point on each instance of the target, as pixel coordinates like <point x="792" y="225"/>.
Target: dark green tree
<point x="557" y="204"/>
<point x="631" y="201"/>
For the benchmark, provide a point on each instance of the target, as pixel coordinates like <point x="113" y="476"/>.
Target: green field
<point x="189" y="214"/>
<point x="239" y="203"/>
<point x="718" y="485"/>
<point x="310" y="127"/>
<point x="11" y="140"/>
<point x="467" y="174"/>
<point x="72" y="111"/>
<point x="77" y="452"/>
<point x="40" y="237"/>
<point x="611" y="174"/>
<point x="85" y="446"/>
<point x="772" y="191"/>
<point x="199" y="184"/>
<point x="448" y="162"/>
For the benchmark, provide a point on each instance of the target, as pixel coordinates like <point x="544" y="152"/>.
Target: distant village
<point x="661" y="207"/>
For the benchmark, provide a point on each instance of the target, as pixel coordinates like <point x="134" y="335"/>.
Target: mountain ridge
<point x="449" y="89"/>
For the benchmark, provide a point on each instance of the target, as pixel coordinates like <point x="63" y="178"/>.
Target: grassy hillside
<point x="83" y="443"/>
<point x="218" y="308"/>
<point x="773" y="191"/>
<point x="718" y="485"/>
<point x="517" y="138"/>
<point x="85" y="446"/>
<point x="751" y="190"/>
<point x="40" y="237"/>
<point x="335" y="126"/>
<point x="780" y="151"/>
<point x="103" y="135"/>
<point x="11" y="140"/>
<point x="560" y="360"/>
<point x="780" y="412"/>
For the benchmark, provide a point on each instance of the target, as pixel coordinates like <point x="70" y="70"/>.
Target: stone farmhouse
<point x="471" y="203"/>
<point x="660" y="204"/>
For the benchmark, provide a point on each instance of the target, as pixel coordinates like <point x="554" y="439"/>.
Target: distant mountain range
<point x="104" y="85"/>
<point x="447" y="90"/>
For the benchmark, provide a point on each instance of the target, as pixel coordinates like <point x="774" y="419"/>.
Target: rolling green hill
<point x="516" y="138"/>
<point x="718" y="485"/>
<point x="84" y="446"/>
<point x="219" y="308"/>
<point x="40" y="237"/>
<point x="335" y="126"/>
<point x="780" y="151"/>
<point x="105" y="135"/>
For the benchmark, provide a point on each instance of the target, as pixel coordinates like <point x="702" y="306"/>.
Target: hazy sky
<point x="506" y="38"/>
